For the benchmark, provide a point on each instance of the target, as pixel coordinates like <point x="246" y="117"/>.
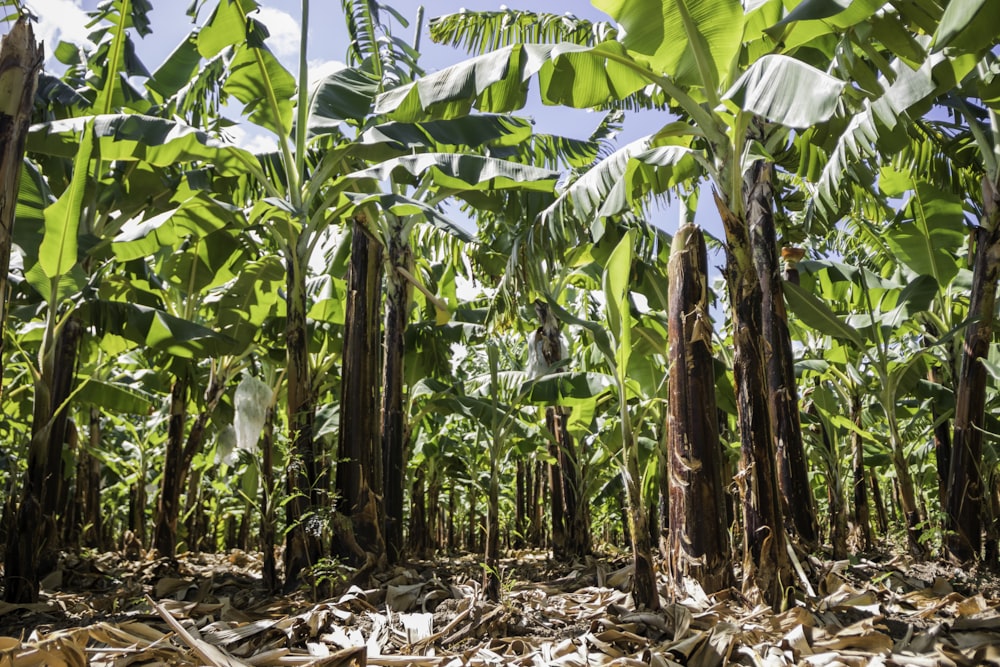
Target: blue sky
<point x="65" y="19"/>
<point x="327" y="45"/>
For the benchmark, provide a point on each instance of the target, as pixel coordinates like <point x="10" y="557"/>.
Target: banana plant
<point x="615" y="345"/>
<point x="883" y="320"/>
<point x="964" y="487"/>
<point x="714" y="63"/>
<point x="495" y="402"/>
<point x="950" y="58"/>
<point x="292" y="198"/>
<point x="75" y="155"/>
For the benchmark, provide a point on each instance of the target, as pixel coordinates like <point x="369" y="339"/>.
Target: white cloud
<point x="59" y="20"/>
<point x="285" y="31"/>
<point x="252" y="140"/>
<point x="320" y="69"/>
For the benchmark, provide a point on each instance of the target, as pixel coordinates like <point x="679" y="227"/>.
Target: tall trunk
<point x="623" y="508"/>
<point x="520" y="502"/>
<point x="835" y="496"/>
<point x="793" y="477"/>
<point x="836" y="508"/>
<point x="179" y="457"/>
<point x="268" y="509"/>
<point x="393" y="418"/>
<point x="243" y="534"/>
<point x="577" y="509"/>
<point x="470" y="544"/>
<point x="137" y="511"/>
<point x="57" y="500"/>
<point x="698" y="536"/>
<point x="451" y="541"/>
<point x="418" y="514"/>
<point x="68" y="515"/>
<point x="303" y="547"/>
<point x="766" y="567"/>
<point x="880" y="515"/>
<point x="167" y="508"/>
<point x="905" y="487"/>
<point x="570" y="518"/>
<point x="491" y="547"/>
<point x="491" y="543"/>
<point x="194" y="526"/>
<point x="942" y="442"/>
<point x="557" y="504"/>
<point x="358" y="530"/>
<point x="61" y="386"/>
<point x="644" y="589"/>
<point x="861" y="515"/>
<point x="20" y="61"/>
<point x="90" y="470"/>
<point x="435" y="540"/>
<point x="536" y="530"/>
<point x="32" y="547"/>
<point x="963" y="540"/>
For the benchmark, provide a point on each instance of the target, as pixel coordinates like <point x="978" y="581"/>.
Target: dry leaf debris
<point x="212" y="610"/>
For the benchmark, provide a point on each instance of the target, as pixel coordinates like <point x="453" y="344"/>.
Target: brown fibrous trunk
<point x="698" y="541"/>
<point x="963" y="540"/>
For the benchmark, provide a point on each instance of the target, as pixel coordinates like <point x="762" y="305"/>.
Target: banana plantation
<point x="423" y="385"/>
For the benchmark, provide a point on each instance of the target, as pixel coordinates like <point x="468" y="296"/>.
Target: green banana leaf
<point x="567" y="388"/>
<point x="693" y="41"/>
<point x="817" y="315"/>
<point x="130" y="137"/>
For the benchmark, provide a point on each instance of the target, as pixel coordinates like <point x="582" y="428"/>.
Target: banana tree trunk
<point x="570" y="518"/>
<point x="536" y="528"/>
<point x="644" y="588"/>
<point x="471" y="538"/>
<point x="836" y="507"/>
<point x="268" y="508"/>
<point x="136" y="535"/>
<point x="69" y="508"/>
<point x="179" y="457"/>
<point x="168" y="506"/>
<point x="418" y="538"/>
<point x="520" y="503"/>
<point x="862" y="517"/>
<point x="303" y="547"/>
<point x="20" y="61"/>
<point x="942" y="440"/>
<point x="880" y="514"/>
<point x="698" y="537"/>
<point x="491" y="548"/>
<point x="557" y="504"/>
<point x="793" y="477"/>
<point x="393" y="417"/>
<point x="32" y="546"/>
<point x="963" y="540"/>
<point x="904" y="481"/>
<point x="195" y="526"/>
<point x="89" y="477"/>
<point x="766" y="569"/>
<point x="577" y="514"/>
<point x="835" y="495"/>
<point x="358" y="530"/>
<point x="61" y="438"/>
<point x="450" y="537"/>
